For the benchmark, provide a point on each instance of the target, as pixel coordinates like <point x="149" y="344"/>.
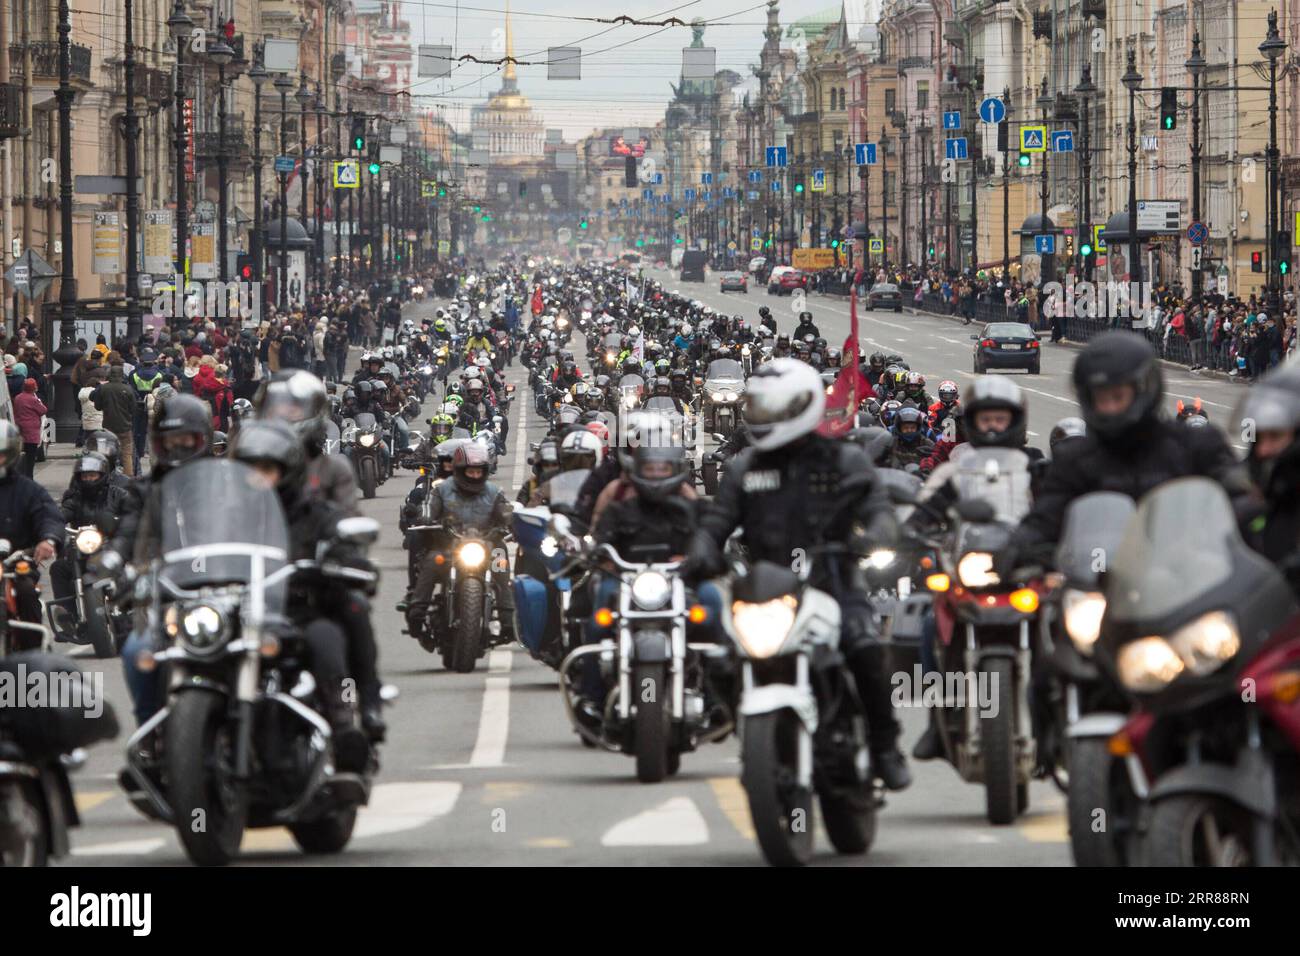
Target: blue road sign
<point x="284" y="164"/>
<point x="647" y="194"/>
<point x="752" y="194"/>
<point x="819" y="180"/>
<point x="756" y="232"/>
<point x="776" y="156"/>
<point x="706" y="179"/>
<point x="952" y="120"/>
<point x="728" y="192"/>
<point x="992" y="110"/>
<point x="756" y="176"/>
<point x="690" y="194"/>
<point x="1063" y="141"/>
<point x="659" y="179"/>
<point x="1197" y="233"/>
<point x="864" y="154"/>
<point x="1045" y="245"/>
<point x="954" y="148"/>
<point x="707" y="195"/>
<point x="776" y="186"/>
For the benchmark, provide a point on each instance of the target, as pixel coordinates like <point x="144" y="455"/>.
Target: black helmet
<point x="298" y="398"/>
<point x="220" y="442"/>
<point x="1119" y="358"/>
<point x="90" y="472"/>
<point x="1065" y="429"/>
<point x="658" y="470"/>
<point x="275" y="442"/>
<point x="989" y="392"/>
<point x="877" y="361"/>
<point x="106" y="443"/>
<point x="907" y="415"/>
<point x="764" y="312"/>
<point x="469" y="455"/>
<point x="182" y="431"/>
<point x="364" y="390"/>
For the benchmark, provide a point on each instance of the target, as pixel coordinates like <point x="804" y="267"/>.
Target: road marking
<point x="494" y="791"/>
<point x="395" y="807"/>
<point x="1046" y="828"/>
<point x="494" y="719"/>
<point x="734" y="804"/>
<point x="88" y="801"/>
<point x="549" y="843"/>
<point x="521" y="440"/>
<point x="120" y="848"/>
<point x="675" y="822"/>
<point x="267" y="840"/>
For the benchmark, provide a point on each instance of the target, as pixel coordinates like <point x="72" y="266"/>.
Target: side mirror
<point x="358" y="530"/>
<point x="975" y="510"/>
<point x="974" y="338"/>
<point x="559" y="526"/>
<point x="719" y="438"/>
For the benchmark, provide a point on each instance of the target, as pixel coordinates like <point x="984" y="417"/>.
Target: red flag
<point x="851" y="387"/>
<point x="538" y="304"/>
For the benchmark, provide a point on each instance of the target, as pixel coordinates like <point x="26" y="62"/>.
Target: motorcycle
<point x="364" y="436"/>
<point x="985" y="631"/>
<point x="462" y="622"/>
<point x="1203" y="633"/>
<point x="39" y="746"/>
<point x="85" y="616"/>
<point x="662" y="702"/>
<point x="15" y="565"/>
<point x="713" y="464"/>
<point x="241" y="741"/>
<point x="724" y="384"/>
<point x="801" y="722"/>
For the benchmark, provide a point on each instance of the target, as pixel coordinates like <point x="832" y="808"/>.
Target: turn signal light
<point x="938" y="582"/>
<point x="439" y="559"/>
<point x="926" y="563"/>
<point x="698" y="614"/>
<point x="604" y="617"/>
<point x="1286" y="687"/>
<point x="22" y="567"/>
<point x="1024" y="600"/>
<point x="145" y="662"/>
<point x="1120" y="746"/>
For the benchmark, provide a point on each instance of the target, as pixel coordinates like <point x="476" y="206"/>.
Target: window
<point x="889" y="101"/>
<point x="922" y="95"/>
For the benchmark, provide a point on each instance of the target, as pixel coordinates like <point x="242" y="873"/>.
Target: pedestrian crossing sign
<point x="429" y="189"/>
<point x="1033" y="139"/>
<point x="347" y="174"/>
<point x="755" y="244"/>
<point x="876" y="245"/>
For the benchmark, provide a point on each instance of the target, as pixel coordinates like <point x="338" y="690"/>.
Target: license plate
<point x="1013" y="348"/>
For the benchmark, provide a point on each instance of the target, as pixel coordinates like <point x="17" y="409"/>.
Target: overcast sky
<point x="626" y="70"/>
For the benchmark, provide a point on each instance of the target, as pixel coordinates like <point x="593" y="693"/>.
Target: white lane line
<point x="521" y="440"/>
<point x="676" y="822"/>
<point x="395" y="807"/>
<point x="120" y="848"/>
<point x="494" y="719"/>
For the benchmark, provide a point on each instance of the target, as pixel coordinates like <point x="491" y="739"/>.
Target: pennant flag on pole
<point x="851" y="387"/>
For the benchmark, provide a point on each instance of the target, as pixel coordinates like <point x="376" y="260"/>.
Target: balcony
<point x="915" y="63"/>
<point x="208" y="142"/>
<point x="152" y="87"/>
<point x="45" y="61"/>
<point x="11" y="110"/>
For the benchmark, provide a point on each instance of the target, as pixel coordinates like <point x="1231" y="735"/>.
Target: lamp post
<point x="1086" y="90"/>
<point x="1045" y="103"/>
<point x="65" y="411"/>
<point x="322" y="165"/>
<point x="1006" y="196"/>
<point x="283" y="84"/>
<point x="923" y="182"/>
<point x="303" y="96"/>
<point x="181" y="27"/>
<point x="1272" y="48"/>
<point x="221" y="54"/>
<point x="131" y="136"/>
<point x="1195" y="65"/>
<point x="258" y="75"/>
<point x="1132" y="79"/>
<point x="884" y="199"/>
<point x="904" y="137"/>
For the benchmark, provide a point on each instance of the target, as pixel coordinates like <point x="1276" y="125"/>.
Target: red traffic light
<point x="1257" y="262"/>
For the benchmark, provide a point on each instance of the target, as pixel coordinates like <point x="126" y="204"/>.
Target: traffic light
<point x="798" y="187"/>
<point x="1168" y="108"/>
<point x="1085" y="248"/>
<point x="1257" y="262"/>
<point x="523" y="189"/>
<point x="583" y="224"/>
<point x="374" y="168"/>
<point x="1282" y="251"/>
<point x="835" y="243"/>
<point x="244" y="267"/>
<point x="929" y="250"/>
<point x="629" y="171"/>
<point x="1004" y="135"/>
<point x="359" y="133"/>
<point x="442" y="191"/>
<point x="1025" y="159"/>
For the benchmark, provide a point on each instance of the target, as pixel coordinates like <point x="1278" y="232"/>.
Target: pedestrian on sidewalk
<point x="28" y="410"/>
<point x="116" y="399"/>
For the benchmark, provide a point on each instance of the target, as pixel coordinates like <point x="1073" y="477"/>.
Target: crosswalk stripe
<point x="90" y="799"/>
<point x="734" y="804"/>
<point x="675" y="822"/>
<point x="1046" y="828"/>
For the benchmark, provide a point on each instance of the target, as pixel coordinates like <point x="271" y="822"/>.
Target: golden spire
<point x="510" y="49"/>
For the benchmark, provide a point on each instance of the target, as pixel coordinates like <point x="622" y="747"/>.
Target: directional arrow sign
<point x="1063" y="141"/>
<point x="952" y="120"/>
<point x="1045" y="245"/>
<point x="776" y="156"/>
<point x="864" y="154"/>
<point x="776" y="186"/>
<point x="992" y="110"/>
<point x="706" y="179"/>
<point x="690" y="194"/>
<point x="756" y="176"/>
<point x="954" y="148"/>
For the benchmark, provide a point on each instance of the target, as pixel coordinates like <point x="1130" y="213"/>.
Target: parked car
<point x="885" y="295"/>
<point x="733" y="282"/>
<point x="693" y="262"/>
<point x="1007" y="345"/>
<point x="785" y="279"/>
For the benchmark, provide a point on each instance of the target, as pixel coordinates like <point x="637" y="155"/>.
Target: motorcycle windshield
<point x="563" y="489"/>
<point x="720" y="369"/>
<point x="1178" y="546"/>
<point x="221" y="525"/>
<point x="999" y="476"/>
<point x="613" y="342"/>
<point x="1094" y="526"/>
<point x="364" y="420"/>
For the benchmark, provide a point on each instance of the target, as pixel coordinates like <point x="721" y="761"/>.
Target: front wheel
<point x="369" y="477"/>
<point x="1100" y="804"/>
<point x="467" y="639"/>
<point x="998" y="732"/>
<point x="709" y="472"/>
<point x="780" y="808"/>
<point x="850" y="820"/>
<point x="98" y="628"/>
<point x="209" y="805"/>
<point x="653" y="732"/>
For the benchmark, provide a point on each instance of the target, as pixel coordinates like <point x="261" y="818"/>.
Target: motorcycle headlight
<point x="880" y="559"/>
<point x="1148" y="664"/>
<point x="202" y="628"/>
<point x="562" y="324"/>
<point x="426" y="369"/>
<point x="472" y="554"/>
<point x="761" y="629"/>
<point x="1082" y="611"/>
<point x="975" y="570"/>
<point x="651" y="590"/>
<point x="629" y="401"/>
<point x="1207" y="642"/>
<point x="549" y="547"/>
<point x="366" y="440"/>
<point x="609" y="358"/>
<point x="89" y="540"/>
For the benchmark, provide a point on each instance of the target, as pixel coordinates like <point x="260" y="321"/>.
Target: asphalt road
<point x="483" y="769"/>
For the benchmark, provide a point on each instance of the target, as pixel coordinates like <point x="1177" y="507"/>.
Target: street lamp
<point x="1272" y="48"/>
<point x="181" y="28"/>
<point x="1086" y="90"/>
<point x="259" y="76"/>
<point x="1132" y="79"/>
<point x="1195" y="66"/>
<point x="284" y="85"/>
<point x="304" y="98"/>
<point x="221" y="54"/>
<point x="1046" y="101"/>
<point x="65" y="405"/>
<point x="131" y="135"/>
<point x="1006" y="196"/>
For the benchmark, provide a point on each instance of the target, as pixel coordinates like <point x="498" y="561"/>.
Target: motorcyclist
<point x="947" y="406"/>
<point x="911" y="445"/>
<point x="545" y="466"/>
<point x="299" y="399"/>
<point x="1129" y="448"/>
<point x="663" y="388"/>
<point x="1067" y="429"/>
<point x="805" y="328"/>
<point x="106" y="443"/>
<point x="468" y="501"/>
<point x="29" y="520"/>
<point x="793" y="491"/>
<point x="91" y="499"/>
<point x="766" y="320"/>
<point x="1269" y="416"/>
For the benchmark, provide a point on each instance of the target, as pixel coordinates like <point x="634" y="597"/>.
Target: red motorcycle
<point x="1203" y="632"/>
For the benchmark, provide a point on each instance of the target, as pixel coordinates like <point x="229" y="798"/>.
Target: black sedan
<point x="1007" y="345"/>
<point x="885" y="295"/>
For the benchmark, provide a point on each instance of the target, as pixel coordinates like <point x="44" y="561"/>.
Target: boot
<point x="929" y="746"/>
<point x="351" y="750"/>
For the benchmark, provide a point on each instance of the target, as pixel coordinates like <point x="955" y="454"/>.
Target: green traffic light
<point x="1169" y="122"/>
<point x="1024" y="159"/>
<point x="1284" y="267"/>
<point x="1086" y="249"/>
<point x="583" y="224"/>
<point x="359" y="143"/>
<point x="835" y="243"/>
<point x="374" y="169"/>
<point x="798" y="187"/>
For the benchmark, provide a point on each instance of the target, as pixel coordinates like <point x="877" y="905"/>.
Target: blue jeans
<point x="605" y="594"/>
<point x="145" y="688"/>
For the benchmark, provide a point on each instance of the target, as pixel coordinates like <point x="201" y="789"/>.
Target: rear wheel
<point x="469" y="625"/>
<point x="1035" y="368"/>
<point x="780" y="808"/>
<point x="368" y="476"/>
<point x="649" y="686"/>
<point x="998" y="732"/>
<point x="24" y="840"/>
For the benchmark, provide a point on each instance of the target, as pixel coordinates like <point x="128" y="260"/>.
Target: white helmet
<point x="581" y="449"/>
<point x="784" y="401"/>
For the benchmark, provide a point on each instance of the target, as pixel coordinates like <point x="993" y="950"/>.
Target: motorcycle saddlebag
<point x="530" y="609"/>
<point x="50" y="707"/>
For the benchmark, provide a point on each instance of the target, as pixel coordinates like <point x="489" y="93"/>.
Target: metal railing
<point x="45" y="60"/>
